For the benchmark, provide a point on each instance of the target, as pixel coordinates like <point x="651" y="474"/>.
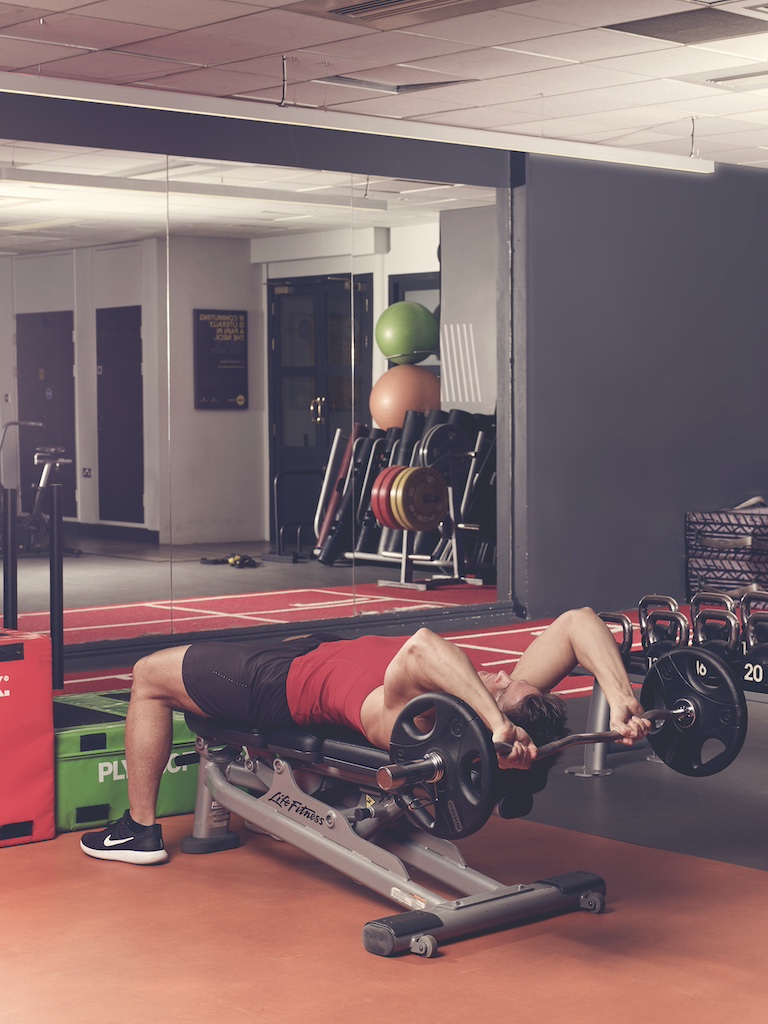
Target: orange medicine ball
<point x="400" y="389"/>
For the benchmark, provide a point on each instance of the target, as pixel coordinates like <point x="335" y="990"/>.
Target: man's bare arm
<point x="579" y="637"/>
<point x="428" y="663"/>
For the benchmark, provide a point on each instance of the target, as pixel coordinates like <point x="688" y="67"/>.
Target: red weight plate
<point x="380" y="493"/>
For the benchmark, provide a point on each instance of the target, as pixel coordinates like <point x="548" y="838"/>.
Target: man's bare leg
<point x="158" y="690"/>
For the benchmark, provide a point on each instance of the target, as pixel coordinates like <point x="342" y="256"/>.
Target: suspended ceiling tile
<point x="725" y="103"/>
<point x="559" y="128"/>
<point x="569" y="78"/>
<point x="197" y="46"/>
<point x="486" y="64"/>
<point x="404" y="75"/>
<point x="25" y="153"/>
<point x="380" y="48"/>
<point x="402" y="105"/>
<point x="99" y="162"/>
<point x="593" y="13"/>
<point x="35" y="8"/>
<point x="708" y="127"/>
<point x="591" y="44"/>
<point x="642" y="117"/>
<point x="672" y="63"/>
<point x="650" y="143"/>
<point x="174" y="14"/>
<point x="757" y="136"/>
<point x="302" y="65"/>
<point x="16" y="53"/>
<point x="10" y="14"/>
<point x="753" y="117"/>
<point x="208" y="82"/>
<point x="471" y="94"/>
<point x="83" y="31"/>
<point x="574" y="104"/>
<point x="660" y="90"/>
<point x="707" y="150"/>
<point x="490" y="28"/>
<point x="277" y="28"/>
<point x="106" y="66"/>
<point x="482" y="117"/>
<point x="755" y="47"/>
<point x="310" y="94"/>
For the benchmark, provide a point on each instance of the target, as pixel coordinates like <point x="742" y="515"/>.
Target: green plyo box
<point x="91" y="777"/>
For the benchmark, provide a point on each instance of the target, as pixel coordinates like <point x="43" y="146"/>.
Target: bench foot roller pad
<point x="212" y="844"/>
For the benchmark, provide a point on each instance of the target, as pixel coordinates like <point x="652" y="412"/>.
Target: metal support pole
<point x="10" y="561"/>
<point x="56" y="564"/>
<point x="598" y="720"/>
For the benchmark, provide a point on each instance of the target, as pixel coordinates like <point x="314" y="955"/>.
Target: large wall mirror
<point x="199" y="336"/>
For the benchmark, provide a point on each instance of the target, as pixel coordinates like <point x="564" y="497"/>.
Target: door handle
<point x="317" y="409"/>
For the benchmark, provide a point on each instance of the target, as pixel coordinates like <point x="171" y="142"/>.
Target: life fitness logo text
<point x="287" y="803"/>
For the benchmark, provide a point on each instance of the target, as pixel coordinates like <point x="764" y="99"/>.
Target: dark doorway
<point x="316" y="385"/>
<point x="423" y="288"/>
<point x="120" y="414"/>
<point x="45" y="360"/>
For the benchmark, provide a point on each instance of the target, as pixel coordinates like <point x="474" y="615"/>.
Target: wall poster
<point x="221" y="359"/>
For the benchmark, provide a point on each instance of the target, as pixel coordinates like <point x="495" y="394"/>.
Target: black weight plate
<point x="460" y="802"/>
<point x="440" y="441"/>
<point x="697" y="676"/>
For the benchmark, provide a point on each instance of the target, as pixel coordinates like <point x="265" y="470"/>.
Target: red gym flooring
<point x="238" y="611"/>
<point x="263" y="933"/>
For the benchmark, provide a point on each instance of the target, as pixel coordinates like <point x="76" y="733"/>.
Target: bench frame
<point x="320" y="795"/>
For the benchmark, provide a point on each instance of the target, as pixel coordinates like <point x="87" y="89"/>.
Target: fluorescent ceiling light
<point x="273" y="113"/>
<point x="745" y="81"/>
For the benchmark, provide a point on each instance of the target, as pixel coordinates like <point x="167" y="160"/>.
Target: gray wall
<point x="647" y="360"/>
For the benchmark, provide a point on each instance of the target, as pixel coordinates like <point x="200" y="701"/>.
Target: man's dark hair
<point x="543" y="717"/>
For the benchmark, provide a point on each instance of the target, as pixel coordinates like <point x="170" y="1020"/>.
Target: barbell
<point x="445" y="778"/>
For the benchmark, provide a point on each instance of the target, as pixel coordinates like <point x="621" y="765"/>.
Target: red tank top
<point x="330" y="683"/>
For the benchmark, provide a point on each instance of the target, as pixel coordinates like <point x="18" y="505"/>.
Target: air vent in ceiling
<point x="690" y="27"/>
<point x="392" y="14"/>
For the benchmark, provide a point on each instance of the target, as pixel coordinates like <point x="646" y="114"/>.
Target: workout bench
<point x="373" y="814"/>
<point x="342" y="801"/>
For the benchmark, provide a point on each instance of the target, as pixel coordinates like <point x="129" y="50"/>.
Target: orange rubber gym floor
<point x="262" y="933"/>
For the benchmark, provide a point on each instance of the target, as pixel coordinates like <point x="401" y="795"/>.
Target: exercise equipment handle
<point x="575" y="739"/>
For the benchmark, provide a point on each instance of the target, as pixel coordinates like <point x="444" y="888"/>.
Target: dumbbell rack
<point x="665" y="627"/>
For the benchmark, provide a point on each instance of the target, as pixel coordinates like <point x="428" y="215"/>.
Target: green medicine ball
<point x="406" y="332"/>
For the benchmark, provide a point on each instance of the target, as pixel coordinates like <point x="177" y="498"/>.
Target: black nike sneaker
<point x="123" y="840"/>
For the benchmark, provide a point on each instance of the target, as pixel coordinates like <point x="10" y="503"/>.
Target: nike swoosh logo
<point x="109" y="841"/>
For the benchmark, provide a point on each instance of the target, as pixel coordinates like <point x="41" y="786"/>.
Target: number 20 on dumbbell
<point x="755" y="661"/>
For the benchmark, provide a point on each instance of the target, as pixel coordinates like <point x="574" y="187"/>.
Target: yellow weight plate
<point x="419" y="499"/>
<point x="396" y="497"/>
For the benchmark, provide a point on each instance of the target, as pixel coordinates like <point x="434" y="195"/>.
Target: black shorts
<point x="244" y="682"/>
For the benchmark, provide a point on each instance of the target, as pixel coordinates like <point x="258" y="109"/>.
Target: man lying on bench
<point x="363" y="684"/>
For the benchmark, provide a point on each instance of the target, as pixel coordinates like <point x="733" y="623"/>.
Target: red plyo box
<point x="27" y="776"/>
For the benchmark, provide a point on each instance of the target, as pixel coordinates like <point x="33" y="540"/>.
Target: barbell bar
<point x="431" y="767"/>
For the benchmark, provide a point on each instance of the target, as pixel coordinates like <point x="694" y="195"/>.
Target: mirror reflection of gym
<point x="149" y="493"/>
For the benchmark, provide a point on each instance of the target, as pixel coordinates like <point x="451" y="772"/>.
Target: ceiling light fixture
<point x="271" y="113"/>
<point x="362" y="83"/>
